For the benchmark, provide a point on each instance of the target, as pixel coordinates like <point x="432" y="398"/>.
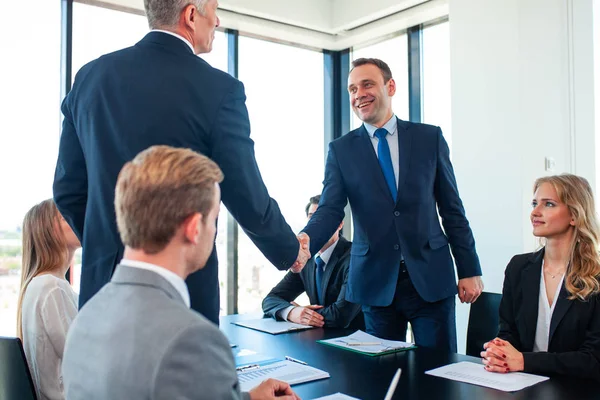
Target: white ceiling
<point x="327" y="24"/>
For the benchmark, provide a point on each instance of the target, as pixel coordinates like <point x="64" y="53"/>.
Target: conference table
<point x="367" y="378"/>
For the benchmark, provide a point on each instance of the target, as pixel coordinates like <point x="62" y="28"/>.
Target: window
<point x="284" y="88"/>
<point x="436" y="78"/>
<point x="394" y="52"/>
<point x="30" y="133"/>
<point x="92" y="39"/>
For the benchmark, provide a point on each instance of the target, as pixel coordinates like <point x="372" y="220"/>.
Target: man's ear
<point x="189" y="16"/>
<point x="192" y="228"/>
<point x="391" y="87"/>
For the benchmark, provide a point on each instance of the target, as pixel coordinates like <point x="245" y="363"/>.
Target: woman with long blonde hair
<point x="47" y="303"/>
<point x="550" y="308"/>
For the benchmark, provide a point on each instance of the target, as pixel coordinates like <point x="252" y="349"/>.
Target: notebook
<point x="291" y="372"/>
<point x="363" y="343"/>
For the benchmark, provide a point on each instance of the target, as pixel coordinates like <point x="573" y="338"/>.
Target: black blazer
<point x="574" y="342"/>
<point x="159" y="92"/>
<point x="337" y="312"/>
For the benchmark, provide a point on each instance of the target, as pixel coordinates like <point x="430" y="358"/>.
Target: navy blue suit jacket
<point x="337" y="311"/>
<point x="159" y="92"/>
<point x="383" y="229"/>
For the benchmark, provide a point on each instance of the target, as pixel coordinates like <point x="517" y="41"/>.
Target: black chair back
<point x="15" y="379"/>
<point x="483" y="322"/>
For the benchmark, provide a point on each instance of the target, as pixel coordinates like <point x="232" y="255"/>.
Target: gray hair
<point x="165" y="13"/>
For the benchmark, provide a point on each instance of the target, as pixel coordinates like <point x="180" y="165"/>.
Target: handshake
<point x="303" y="253"/>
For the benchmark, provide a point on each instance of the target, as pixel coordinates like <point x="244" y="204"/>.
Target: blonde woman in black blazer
<point x="550" y="308"/>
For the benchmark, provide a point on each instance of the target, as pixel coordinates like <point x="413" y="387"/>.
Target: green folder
<point x="388" y="346"/>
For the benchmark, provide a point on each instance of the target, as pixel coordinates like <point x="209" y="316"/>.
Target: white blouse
<point x="49" y="307"/>
<point x="545" y="311"/>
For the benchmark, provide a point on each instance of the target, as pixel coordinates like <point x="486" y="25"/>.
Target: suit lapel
<point x="560" y="309"/>
<point x="404" y="146"/>
<point x="311" y="285"/>
<point x="530" y="287"/>
<point x="329" y="267"/>
<point x="365" y="154"/>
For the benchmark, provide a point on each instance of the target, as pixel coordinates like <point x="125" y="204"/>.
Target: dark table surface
<point x="368" y="378"/>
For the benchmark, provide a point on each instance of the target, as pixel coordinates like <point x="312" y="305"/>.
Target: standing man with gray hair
<point x="160" y="92"/>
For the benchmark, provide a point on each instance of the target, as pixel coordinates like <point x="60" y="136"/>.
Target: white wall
<point x="522" y="90"/>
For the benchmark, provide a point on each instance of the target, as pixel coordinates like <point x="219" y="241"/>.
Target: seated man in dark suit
<point x="137" y="338"/>
<point x="324" y="281"/>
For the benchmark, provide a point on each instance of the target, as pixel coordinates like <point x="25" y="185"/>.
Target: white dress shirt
<point x="325" y="256"/>
<point x="392" y="127"/>
<point x="177" y="36"/>
<point x="545" y="311"/>
<point x="175" y="280"/>
<point x="49" y="306"/>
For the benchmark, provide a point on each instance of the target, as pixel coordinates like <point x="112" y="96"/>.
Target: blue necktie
<point x="385" y="161"/>
<point x="319" y="278"/>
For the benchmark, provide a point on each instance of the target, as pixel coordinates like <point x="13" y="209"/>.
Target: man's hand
<point x="469" y="289"/>
<point x="306" y="316"/>
<point x="273" y="389"/>
<point x="303" y="253"/>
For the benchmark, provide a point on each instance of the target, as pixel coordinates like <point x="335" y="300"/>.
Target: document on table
<point x="337" y="396"/>
<point x="287" y="371"/>
<point x="271" y="326"/>
<point x="370" y="345"/>
<point x="475" y="374"/>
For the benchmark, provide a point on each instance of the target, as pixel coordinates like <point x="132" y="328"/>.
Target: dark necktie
<point x="385" y="161"/>
<point x="319" y="278"/>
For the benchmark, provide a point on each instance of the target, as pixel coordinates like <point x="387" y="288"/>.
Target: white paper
<point x="286" y="371"/>
<point x="363" y="337"/>
<point x="337" y="396"/>
<point x="269" y="325"/>
<point x="476" y="374"/>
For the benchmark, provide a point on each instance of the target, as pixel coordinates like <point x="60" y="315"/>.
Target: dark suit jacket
<point x="384" y="229"/>
<point x="574" y="343"/>
<point x="337" y="312"/>
<point x="159" y="92"/>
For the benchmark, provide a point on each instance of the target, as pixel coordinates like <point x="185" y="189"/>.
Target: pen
<point x="292" y="359"/>
<point x="393" y="385"/>
<point x="363" y="344"/>
<point x="247" y="368"/>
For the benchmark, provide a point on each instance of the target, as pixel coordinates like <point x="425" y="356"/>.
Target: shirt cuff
<point x="283" y="314"/>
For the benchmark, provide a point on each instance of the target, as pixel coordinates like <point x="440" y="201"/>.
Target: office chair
<point x="15" y="379"/>
<point x="483" y="322"/>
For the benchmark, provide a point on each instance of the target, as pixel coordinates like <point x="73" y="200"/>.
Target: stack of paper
<point x="271" y="326"/>
<point x="364" y="343"/>
<point x="286" y="371"/>
<point x="475" y="374"/>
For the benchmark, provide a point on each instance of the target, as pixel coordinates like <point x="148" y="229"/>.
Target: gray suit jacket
<point x="136" y="339"/>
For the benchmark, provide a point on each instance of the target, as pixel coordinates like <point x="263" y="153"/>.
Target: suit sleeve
<point x="243" y="190"/>
<point x="279" y="298"/>
<point x="583" y="363"/>
<point x="330" y="213"/>
<point x="507" y="329"/>
<point x="198" y="364"/>
<point x="70" y="177"/>
<point x="341" y="313"/>
<point x="453" y="215"/>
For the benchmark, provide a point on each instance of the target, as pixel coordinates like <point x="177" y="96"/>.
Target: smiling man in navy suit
<point x="160" y="92"/>
<point x="397" y="175"/>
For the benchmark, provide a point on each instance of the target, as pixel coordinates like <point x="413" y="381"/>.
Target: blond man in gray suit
<point x="137" y="337"/>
